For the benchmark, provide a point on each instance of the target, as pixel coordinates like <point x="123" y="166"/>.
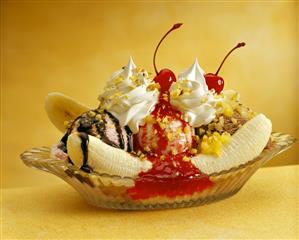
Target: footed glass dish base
<point x="108" y="191"/>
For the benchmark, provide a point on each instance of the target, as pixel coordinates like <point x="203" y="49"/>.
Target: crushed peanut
<point x="153" y="86"/>
<point x="118" y="80"/>
<point x="99" y="117"/>
<point x="234" y="121"/>
<point x="91" y="113"/>
<point x="186" y="129"/>
<point x="193" y="151"/>
<point x="147" y="149"/>
<point x="170" y="136"/>
<point x="174" y="152"/>
<point x="149" y="119"/>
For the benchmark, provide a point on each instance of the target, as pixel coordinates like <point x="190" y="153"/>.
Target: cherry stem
<point x="175" y="26"/>
<point x="242" y="44"/>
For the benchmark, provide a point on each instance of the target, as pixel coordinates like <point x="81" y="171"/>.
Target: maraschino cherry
<point x="165" y="77"/>
<point x="213" y="80"/>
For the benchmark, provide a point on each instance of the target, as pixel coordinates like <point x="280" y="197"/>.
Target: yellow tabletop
<point x="267" y="207"/>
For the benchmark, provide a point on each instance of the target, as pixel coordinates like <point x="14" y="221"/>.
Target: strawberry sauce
<point x="172" y="174"/>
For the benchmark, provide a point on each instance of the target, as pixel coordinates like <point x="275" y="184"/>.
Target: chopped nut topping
<point x="99" y="117"/>
<point x="165" y="97"/>
<point x="174" y="151"/>
<point x="193" y="151"/>
<point x="161" y="124"/>
<point x="170" y="136"/>
<point x="91" y="113"/>
<point x="149" y="119"/>
<point x="186" y="129"/>
<point x="154" y="145"/>
<point x="153" y="86"/>
<point x="175" y="93"/>
<point x="147" y="149"/>
<point x="118" y="80"/>
<point x="178" y="131"/>
<point x="165" y="120"/>
<point x="234" y="121"/>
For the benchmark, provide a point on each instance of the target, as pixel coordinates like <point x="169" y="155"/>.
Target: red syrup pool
<point x="171" y="175"/>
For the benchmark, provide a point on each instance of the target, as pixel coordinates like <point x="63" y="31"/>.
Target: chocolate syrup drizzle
<point x="129" y="139"/>
<point x="84" y="146"/>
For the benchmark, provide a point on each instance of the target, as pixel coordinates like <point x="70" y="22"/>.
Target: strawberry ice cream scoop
<point x="164" y="132"/>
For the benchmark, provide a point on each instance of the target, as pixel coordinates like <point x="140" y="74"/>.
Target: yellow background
<point x="73" y="47"/>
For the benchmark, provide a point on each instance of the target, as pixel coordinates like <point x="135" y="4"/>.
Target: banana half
<point x="61" y="108"/>
<point x="246" y="144"/>
<point x="103" y="158"/>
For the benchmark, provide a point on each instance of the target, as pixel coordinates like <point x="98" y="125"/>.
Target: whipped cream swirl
<point x="190" y="94"/>
<point x="130" y="96"/>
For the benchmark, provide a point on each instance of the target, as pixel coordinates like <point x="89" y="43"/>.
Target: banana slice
<point x="61" y="108"/>
<point x="103" y="158"/>
<point x="246" y="144"/>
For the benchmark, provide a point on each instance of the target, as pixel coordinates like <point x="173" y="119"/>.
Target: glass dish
<point x="108" y="191"/>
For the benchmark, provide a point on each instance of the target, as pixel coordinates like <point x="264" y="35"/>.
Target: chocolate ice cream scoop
<point x="104" y="126"/>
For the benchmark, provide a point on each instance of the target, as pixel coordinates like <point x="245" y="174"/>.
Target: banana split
<point x="168" y="132"/>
